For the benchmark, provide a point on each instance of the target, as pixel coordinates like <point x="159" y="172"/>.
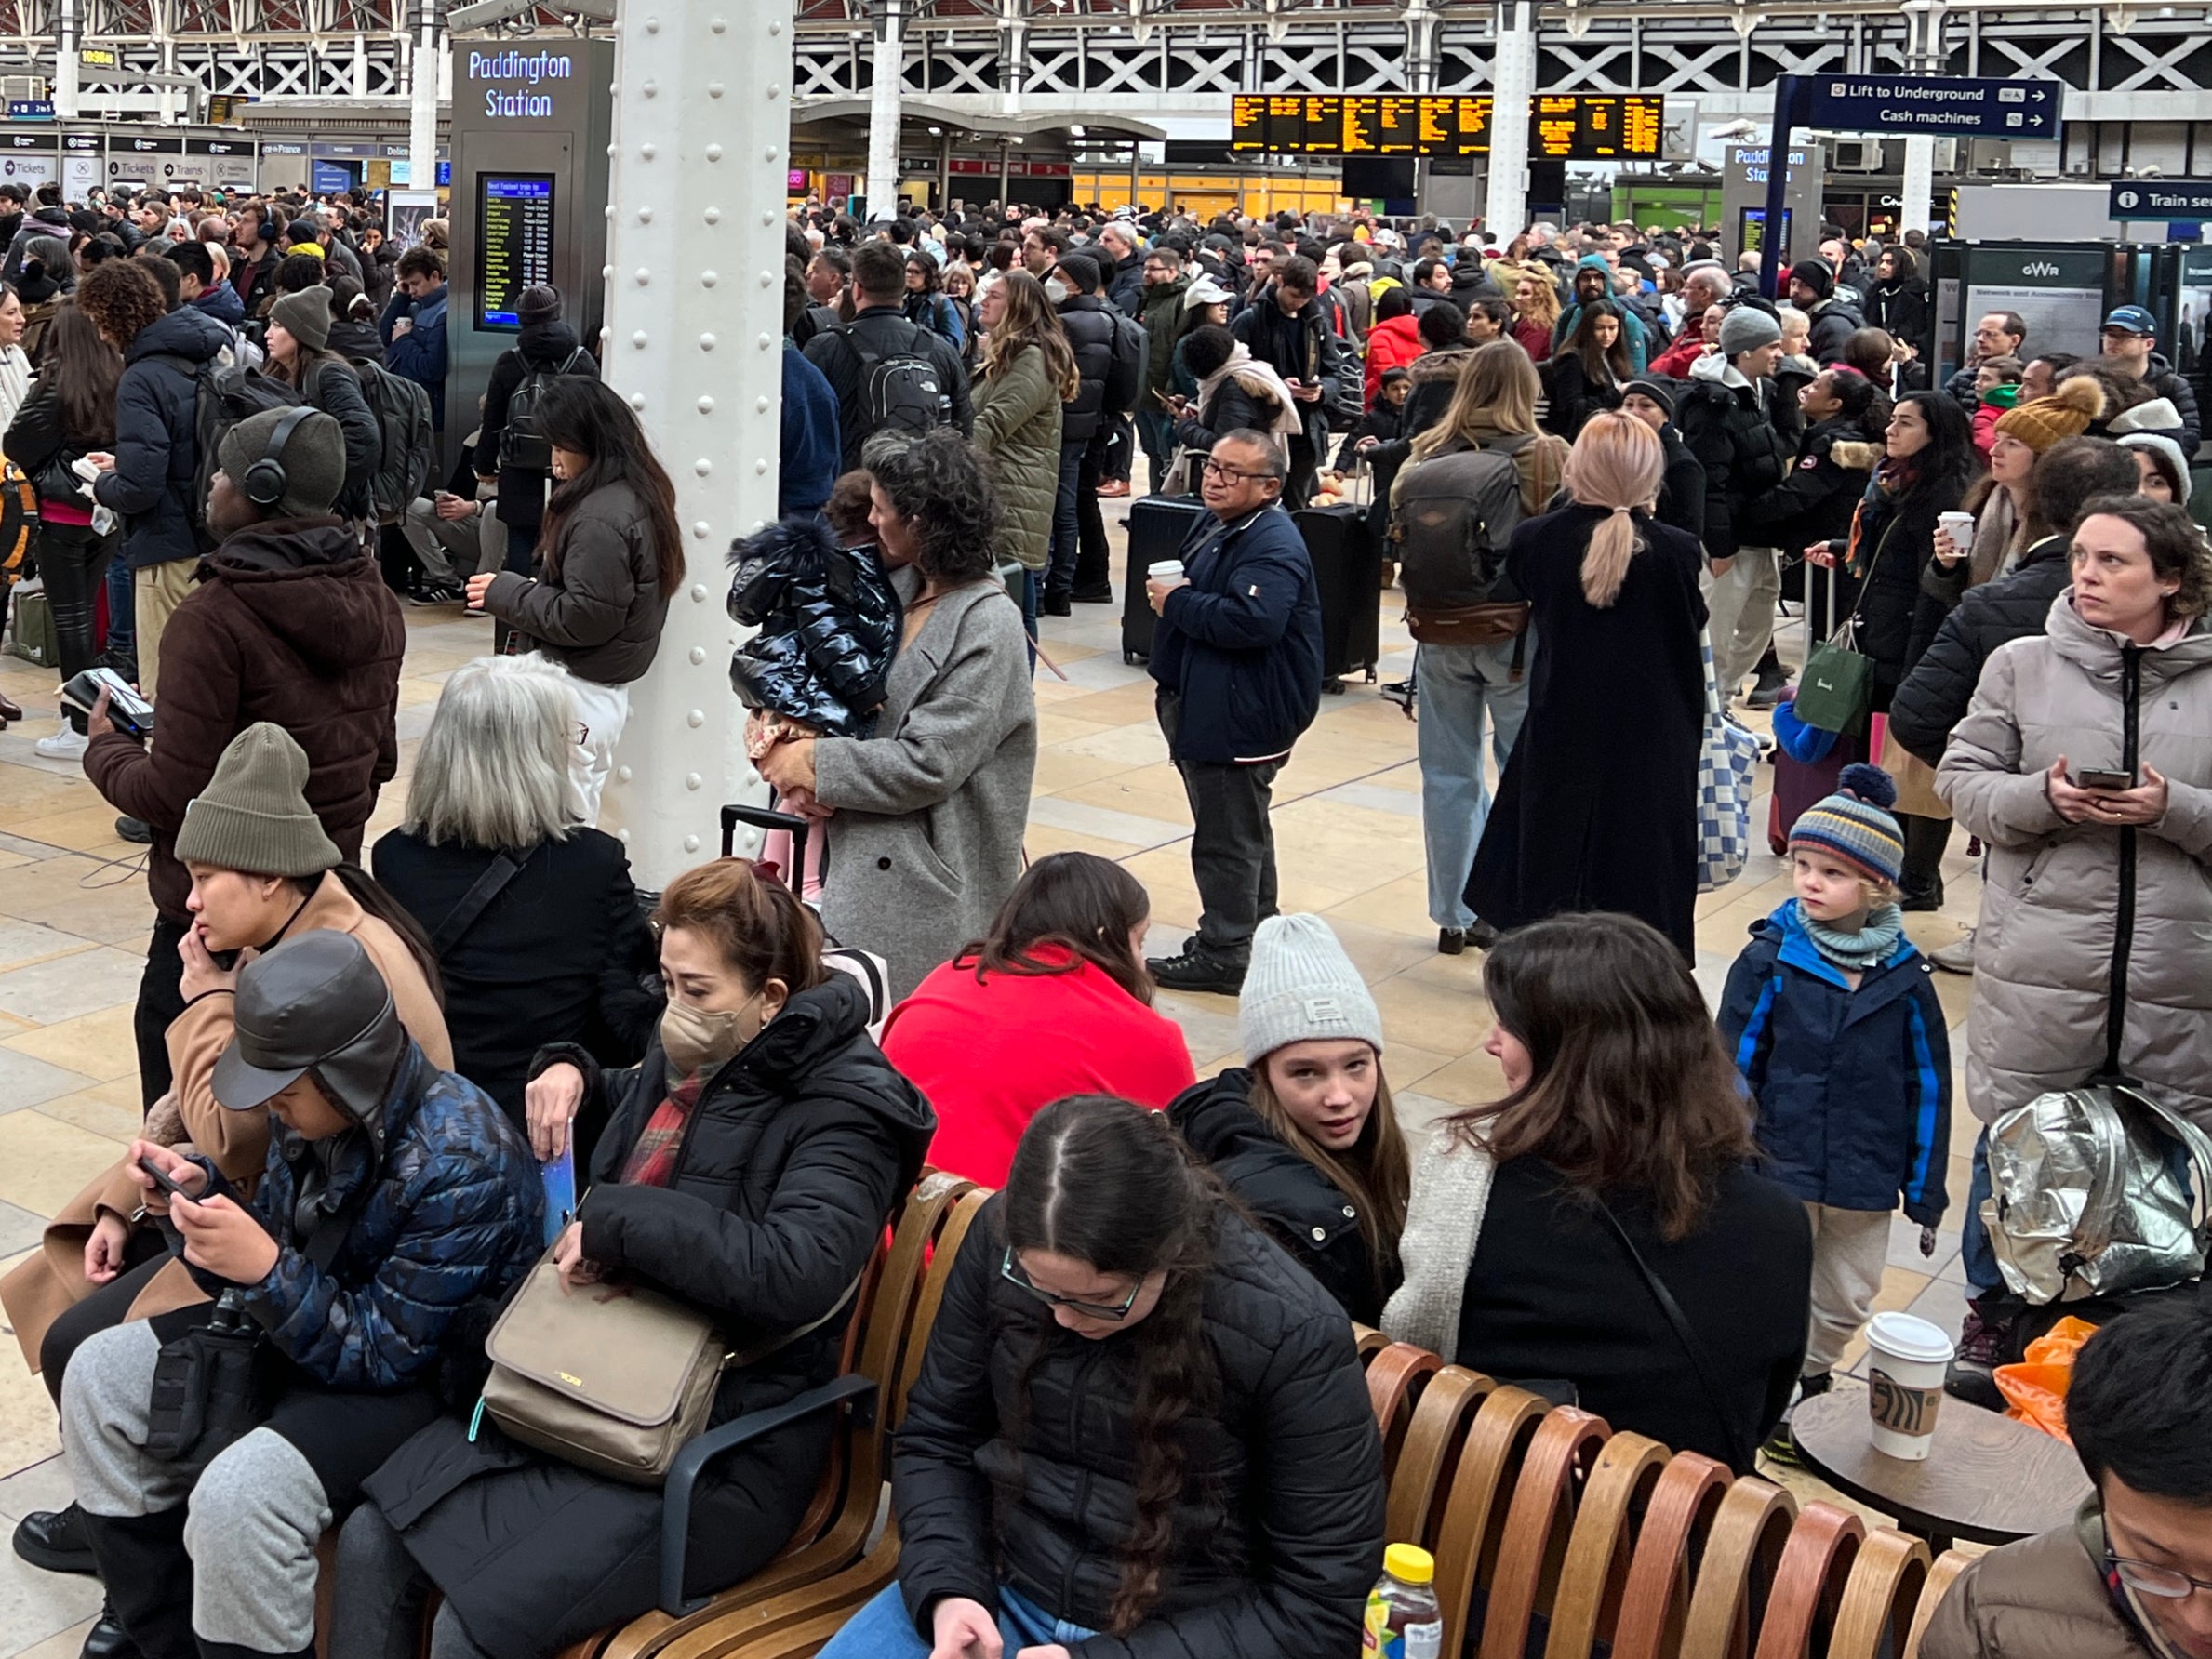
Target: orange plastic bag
<point x="2035" y="1389"/>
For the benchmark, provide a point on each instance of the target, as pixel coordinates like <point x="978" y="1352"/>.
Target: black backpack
<point x="524" y="447"/>
<point x="402" y="409"/>
<point x="225" y="394"/>
<point x="1455" y="512"/>
<point x="1125" y="371"/>
<point x="902" y="392"/>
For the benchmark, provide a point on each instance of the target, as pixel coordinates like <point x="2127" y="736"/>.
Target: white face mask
<point x="1055" y="289"/>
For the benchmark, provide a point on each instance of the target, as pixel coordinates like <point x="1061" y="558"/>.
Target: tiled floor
<point x="74" y="913"/>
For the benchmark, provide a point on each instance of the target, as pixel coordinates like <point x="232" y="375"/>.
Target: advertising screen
<point x="515" y="248"/>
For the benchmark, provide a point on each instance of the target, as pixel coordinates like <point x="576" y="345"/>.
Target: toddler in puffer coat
<point x="828" y="626"/>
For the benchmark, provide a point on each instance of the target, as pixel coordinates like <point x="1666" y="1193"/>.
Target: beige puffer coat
<point x="1017" y="422"/>
<point x="2044" y="950"/>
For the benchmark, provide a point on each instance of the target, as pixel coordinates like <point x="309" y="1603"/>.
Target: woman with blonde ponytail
<point x="1598" y="806"/>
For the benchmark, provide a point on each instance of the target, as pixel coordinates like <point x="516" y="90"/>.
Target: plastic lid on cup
<point x="1909" y="1338"/>
<point x="1409" y="1563"/>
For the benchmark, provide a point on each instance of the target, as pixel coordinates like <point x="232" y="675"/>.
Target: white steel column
<point x="1920" y="182"/>
<point x="694" y="340"/>
<point x="65" y="61"/>
<point x="422" y="107"/>
<point x="1512" y="83"/>
<point x="883" y="113"/>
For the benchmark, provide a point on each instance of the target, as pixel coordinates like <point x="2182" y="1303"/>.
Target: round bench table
<point x="1987" y="1479"/>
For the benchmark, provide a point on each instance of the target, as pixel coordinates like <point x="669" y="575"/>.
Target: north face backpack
<point x="1453" y="515"/>
<point x="524" y="447"/>
<point x="903" y="390"/>
<point x="402" y="409"/>
<point x="225" y="394"/>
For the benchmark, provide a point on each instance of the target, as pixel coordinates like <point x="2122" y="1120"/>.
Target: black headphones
<point x="265" y="483"/>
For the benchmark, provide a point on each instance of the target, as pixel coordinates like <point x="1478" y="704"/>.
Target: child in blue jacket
<point x="1831" y="1017"/>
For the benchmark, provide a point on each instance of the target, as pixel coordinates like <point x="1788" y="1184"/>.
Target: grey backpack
<point x="1452" y="515"/>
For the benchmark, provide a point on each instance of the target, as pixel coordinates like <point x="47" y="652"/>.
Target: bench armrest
<point x="700" y="1450"/>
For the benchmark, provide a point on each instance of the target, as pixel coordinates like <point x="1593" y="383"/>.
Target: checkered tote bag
<point x="1725" y="762"/>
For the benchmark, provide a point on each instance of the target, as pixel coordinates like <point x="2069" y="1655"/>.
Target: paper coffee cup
<point x="1959" y="526"/>
<point x="1167" y="570"/>
<point x="1905" y="1362"/>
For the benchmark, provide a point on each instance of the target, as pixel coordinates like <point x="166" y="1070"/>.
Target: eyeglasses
<point x="1218" y="470"/>
<point x="2168" y="1584"/>
<point x="1011" y="1272"/>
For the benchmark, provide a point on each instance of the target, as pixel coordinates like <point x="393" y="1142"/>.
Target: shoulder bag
<point x="1835" y="692"/>
<point x="477" y="900"/>
<point x="1742" y="1457"/>
<point x="1728" y="759"/>
<point x="2091" y="1187"/>
<point x="613" y="1378"/>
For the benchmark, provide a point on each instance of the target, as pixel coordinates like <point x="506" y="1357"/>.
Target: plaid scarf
<point x="652" y="1162"/>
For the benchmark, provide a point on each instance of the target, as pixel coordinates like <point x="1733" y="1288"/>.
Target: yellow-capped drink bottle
<point x="1404" y="1621"/>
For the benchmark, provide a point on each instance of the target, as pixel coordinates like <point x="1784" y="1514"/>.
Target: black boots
<point x="54" y="1540"/>
<point x="142" y="1561"/>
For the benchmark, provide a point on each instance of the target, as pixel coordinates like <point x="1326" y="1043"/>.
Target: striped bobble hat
<point x="1854" y="825"/>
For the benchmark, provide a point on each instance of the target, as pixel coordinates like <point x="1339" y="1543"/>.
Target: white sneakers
<point x="65" y="745"/>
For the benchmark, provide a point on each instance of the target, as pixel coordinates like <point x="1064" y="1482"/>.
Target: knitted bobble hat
<point x="2043" y="421"/>
<point x="1302" y="987"/>
<point x="1854" y="825"/>
<point x="1746" y="329"/>
<point x="253" y="816"/>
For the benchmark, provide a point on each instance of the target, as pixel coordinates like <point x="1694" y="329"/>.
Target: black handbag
<point x="210" y="1387"/>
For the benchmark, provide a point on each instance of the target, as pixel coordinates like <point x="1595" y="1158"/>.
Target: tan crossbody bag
<point x="612" y="1378"/>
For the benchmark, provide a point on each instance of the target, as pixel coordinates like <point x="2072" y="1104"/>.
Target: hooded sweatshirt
<point x="290" y="623"/>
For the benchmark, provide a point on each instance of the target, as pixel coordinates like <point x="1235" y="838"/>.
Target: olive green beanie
<point x="253" y="816"/>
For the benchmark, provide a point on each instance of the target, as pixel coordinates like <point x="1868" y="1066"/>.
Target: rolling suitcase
<point x="1157" y="526"/>
<point x="1348" y="570"/>
<point x="762" y="818"/>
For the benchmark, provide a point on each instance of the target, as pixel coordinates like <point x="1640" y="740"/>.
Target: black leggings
<point x="74" y="560"/>
<point x="145" y="1253"/>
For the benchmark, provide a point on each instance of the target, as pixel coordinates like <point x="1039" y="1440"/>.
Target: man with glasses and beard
<point x="1237" y="657"/>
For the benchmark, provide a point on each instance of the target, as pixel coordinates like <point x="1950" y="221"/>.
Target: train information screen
<point x="515" y="248"/>
<point x="1562" y="126"/>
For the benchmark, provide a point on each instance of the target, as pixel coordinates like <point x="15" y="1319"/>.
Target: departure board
<point x="1562" y="126"/>
<point x="514" y="244"/>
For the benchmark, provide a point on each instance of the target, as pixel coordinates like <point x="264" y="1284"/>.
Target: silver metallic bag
<point x="2090" y="1194"/>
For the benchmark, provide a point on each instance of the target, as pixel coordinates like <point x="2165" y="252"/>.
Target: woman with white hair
<point x="532" y="915"/>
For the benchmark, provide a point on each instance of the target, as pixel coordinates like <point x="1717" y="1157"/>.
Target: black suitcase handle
<point x="762" y="817"/>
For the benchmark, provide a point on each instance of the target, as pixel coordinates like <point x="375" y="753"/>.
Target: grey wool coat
<point x="924" y="843"/>
<point x="2044" y="950"/>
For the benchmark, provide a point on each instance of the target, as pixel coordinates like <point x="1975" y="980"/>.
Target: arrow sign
<point x="1959" y="106"/>
<point x="2166" y="199"/>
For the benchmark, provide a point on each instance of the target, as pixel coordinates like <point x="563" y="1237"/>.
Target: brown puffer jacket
<point x="2044" y="950"/>
<point x="598" y="608"/>
<point x="289" y="623"/>
<point x="2041" y="1599"/>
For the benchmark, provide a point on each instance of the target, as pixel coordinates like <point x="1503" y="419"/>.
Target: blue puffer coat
<point x="444" y="1219"/>
<point x="1241" y="644"/>
<point x="158" y="443"/>
<point x="1853" y="1086"/>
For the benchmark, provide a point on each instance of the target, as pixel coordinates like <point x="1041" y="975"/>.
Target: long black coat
<point x="1278" y="1535"/>
<point x="1088" y="322"/>
<point x="1301" y="1208"/>
<point x="1598" y="806"/>
<point x="795" y="1157"/>
<point x="1897" y="618"/>
<point x="552" y="959"/>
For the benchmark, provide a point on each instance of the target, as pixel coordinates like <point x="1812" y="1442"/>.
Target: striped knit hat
<point x="1855" y="825"/>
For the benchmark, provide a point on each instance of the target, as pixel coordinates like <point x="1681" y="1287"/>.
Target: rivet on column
<point x="706" y="343"/>
<point x="767" y="279"/>
<point x="701" y="529"/>
<point x="720" y="25"/>
<point x="697" y="717"/>
<point x="761" y="404"/>
<point x="637" y="402"/>
<point x="609" y="212"/>
<point x="706" y="405"/>
<point x="712" y="215"/>
<point x="638" y="340"/>
<point x="692" y="780"/>
<point x="644" y="215"/>
<point x="707" y="279"/>
<point x="648" y="152"/>
<point x="698" y="592"/>
<point x="623" y="772"/>
<point x="623" y="835"/>
<point x="760" y="469"/>
<point x="767" y="342"/>
<point x="644" y="276"/>
<point x="775" y="89"/>
<point x="769" y="218"/>
<point x="713" y="89"/>
<point x="770" y="153"/>
<point x="691" y="843"/>
<point x="776" y="27"/>
<point x="606" y="273"/>
<point x="713" y="152"/>
<point x="651" y="89"/>
<point x="699" y="655"/>
<point x="702" y="466"/>
<point x="652" y="25"/>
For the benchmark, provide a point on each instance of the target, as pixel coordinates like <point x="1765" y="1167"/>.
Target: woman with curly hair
<point x="152" y="475"/>
<point x="1027" y="371"/>
<point x="1137" y="1420"/>
<point x="924" y="821"/>
<point x="926" y="304"/>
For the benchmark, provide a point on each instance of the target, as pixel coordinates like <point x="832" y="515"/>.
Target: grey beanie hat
<point x="306" y="316"/>
<point x="317" y="1002"/>
<point x="313" y="459"/>
<point x="1746" y="329"/>
<point x="253" y="816"/>
<point x="1302" y="987"/>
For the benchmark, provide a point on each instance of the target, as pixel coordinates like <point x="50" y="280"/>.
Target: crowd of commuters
<point x="1140" y="1416"/>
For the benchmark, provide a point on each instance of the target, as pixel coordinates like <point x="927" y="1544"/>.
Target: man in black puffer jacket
<point x="1082" y="563"/>
<point x="1934" y="696"/>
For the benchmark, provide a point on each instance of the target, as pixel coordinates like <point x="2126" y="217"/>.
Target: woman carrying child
<point x="1831" y="1015"/>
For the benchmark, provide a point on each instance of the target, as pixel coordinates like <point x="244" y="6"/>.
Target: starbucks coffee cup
<point x="1167" y="570"/>
<point x="1905" y="1362"/>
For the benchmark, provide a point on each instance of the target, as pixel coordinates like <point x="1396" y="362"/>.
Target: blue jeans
<point x="1976" y="1260"/>
<point x="882" y="1630"/>
<point x="1458" y="685"/>
<point x="122" y="605"/>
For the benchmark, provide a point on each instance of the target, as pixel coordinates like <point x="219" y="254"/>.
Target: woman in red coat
<point x="1395" y="339"/>
<point x="1054" y="1002"/>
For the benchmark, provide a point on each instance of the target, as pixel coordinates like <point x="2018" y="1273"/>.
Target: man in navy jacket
<point x="1237" y="656"/>
<point x="413" y="327"/>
